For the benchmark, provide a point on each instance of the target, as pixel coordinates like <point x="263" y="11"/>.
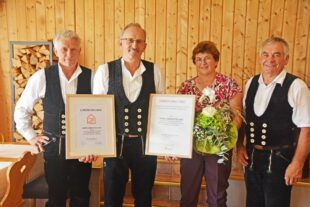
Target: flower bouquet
<point x="214" y="132"/>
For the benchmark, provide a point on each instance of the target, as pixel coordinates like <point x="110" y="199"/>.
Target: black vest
<point x="53" y="103"/>
<point x="275" y="126"/>
<point x="131" y="118"/>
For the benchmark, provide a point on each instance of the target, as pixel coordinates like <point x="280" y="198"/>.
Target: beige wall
<point x="173" y="28"/>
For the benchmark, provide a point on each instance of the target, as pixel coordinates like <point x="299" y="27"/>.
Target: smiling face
<point x="205" y="64"/>
<point x="273" y="59"/>
<point x="68" y="52"/>
<point x="132" y="44"/>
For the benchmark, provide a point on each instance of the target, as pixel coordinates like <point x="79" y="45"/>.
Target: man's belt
<point x="132" y="135"/>
<point x="260" y="147"/>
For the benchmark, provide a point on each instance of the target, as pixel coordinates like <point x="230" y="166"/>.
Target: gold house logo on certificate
<point x="90" y="126"/>
<point x="91" y="119"/>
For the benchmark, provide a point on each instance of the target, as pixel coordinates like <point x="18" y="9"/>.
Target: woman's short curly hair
<point x="206" y="46"/>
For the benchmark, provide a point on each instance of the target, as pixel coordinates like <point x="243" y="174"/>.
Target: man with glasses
<point x="131" y="80"/>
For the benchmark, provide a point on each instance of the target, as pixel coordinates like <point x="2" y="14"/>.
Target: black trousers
<point x="264" y="178"/>
<point x="67" y="178"/>
<point x="116" y="174"/>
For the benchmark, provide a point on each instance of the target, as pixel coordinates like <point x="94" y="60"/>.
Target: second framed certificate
<point x="90" y="126"/>
<point x="170" y="126"/>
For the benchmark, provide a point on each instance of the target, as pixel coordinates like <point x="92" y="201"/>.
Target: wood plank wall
<point x="173" y="28"/>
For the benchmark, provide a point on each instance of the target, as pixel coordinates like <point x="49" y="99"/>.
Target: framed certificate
<point x="90" y="125"/>
<point x="170" y="125"/>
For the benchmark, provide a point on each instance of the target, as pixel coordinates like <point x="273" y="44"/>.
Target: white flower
<point x="209" y="111"/>
<point x="210" y="93"/>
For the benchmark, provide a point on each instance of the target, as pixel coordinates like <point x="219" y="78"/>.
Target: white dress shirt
<point x="132" y="84"/>
<point x="34" y="91"/>
<point x="298" y="98"/>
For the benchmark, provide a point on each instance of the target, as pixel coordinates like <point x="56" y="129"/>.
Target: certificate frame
<point x="90" y="125"/>
<point x="176" y="112"/>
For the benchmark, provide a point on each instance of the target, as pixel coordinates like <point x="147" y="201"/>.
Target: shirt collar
<point x="279" y="79"/>
<point x="138" y="72"/>
<point x="76" y="73"/>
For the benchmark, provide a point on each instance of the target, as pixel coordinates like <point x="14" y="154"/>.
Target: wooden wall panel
<point x="193" y="37"/>
<point x="160" y="34"/>
<point x="171" y="47"/>
<point x="276" y="22"/>
<point x="182" y="36"/>
<point x="204" y="19"/>
<point x="150" y="18"/>
<point x="21" y="20"/>
<point x="238" y="42"/>
<point x="173" y="28"/>
<point x="227" y="28"/>
<point x="109" y="38"/>
<point x="263" y="27"/>
<point x="80" y="26"/>
<point x="60" y="14"/>
<point x="69" y="15"/>
<point x="5" y="79"/>
<point x="99" y="31"/>
<point x="301" y="38"/>
<point x="289" y="26"/>
<point x="50" y="19"/>
<point x="89" y="40"/>
<point x="41" y="20"/>
<point x="251" y="31"/>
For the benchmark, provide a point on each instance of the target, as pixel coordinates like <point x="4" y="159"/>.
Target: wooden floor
<point x="166" y="191"/>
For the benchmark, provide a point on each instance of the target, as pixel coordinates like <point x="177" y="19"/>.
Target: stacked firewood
<point x="27" y="59"/>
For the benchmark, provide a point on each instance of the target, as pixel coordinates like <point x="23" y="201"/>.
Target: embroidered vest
<point x="275" y="126"/>
<point x="131" y="117"/>
<point x="54" y="107"/>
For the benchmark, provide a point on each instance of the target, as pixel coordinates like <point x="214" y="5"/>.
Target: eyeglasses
<point x="131" y="41"/>
<point x="205" y="59"/>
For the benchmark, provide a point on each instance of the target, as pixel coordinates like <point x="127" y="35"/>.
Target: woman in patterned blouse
<point x="206" y="57"/>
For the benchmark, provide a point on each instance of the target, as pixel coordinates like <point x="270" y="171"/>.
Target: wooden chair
<point x="16" y="176"/>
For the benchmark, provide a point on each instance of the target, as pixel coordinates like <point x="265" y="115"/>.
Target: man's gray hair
<point x="133" y="25"/>
<point x="271" y="40"/>
<point x="66" y="34"/>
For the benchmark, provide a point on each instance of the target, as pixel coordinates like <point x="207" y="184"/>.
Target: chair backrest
<point x="16" y="176"/>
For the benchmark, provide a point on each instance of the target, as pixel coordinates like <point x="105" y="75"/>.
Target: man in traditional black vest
<point x="277" y="129"/>
<point x="51" y="85"/>
<point x="131" y="80"/>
